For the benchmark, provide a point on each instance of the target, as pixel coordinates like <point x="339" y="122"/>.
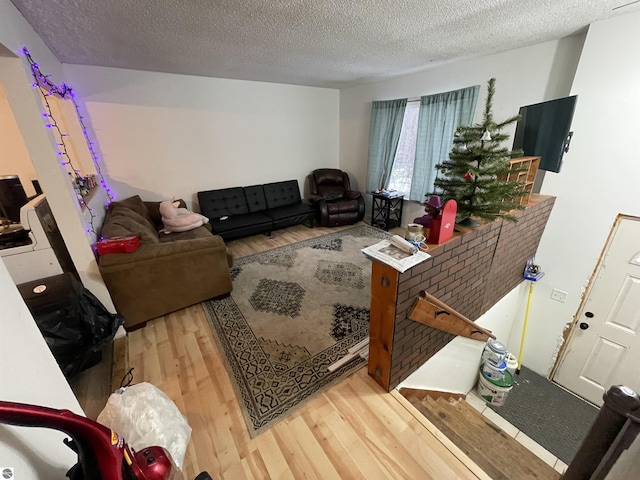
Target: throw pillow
<point x="136" y="204"/>
<point x="121" y="222"/>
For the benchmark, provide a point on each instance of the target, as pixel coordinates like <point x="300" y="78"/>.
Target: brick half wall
<point x="470" y="273"/>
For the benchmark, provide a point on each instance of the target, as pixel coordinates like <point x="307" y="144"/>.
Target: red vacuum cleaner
<point x="102" y="453"/>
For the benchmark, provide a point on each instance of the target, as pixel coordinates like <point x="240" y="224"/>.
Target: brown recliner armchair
<point x="337" y="204"/>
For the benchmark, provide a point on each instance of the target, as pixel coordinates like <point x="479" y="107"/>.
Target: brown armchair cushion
<point x="330" y="195"/>
<point x="329" y="176"/>
<point x="334" y="208"/>
<point x="329" y="183"/>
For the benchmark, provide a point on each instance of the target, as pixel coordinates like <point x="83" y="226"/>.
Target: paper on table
<point x="403" y="245"/>
<point x="387" y="252"/>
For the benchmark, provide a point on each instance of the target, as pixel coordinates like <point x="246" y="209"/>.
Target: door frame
<point x="570" y="329"/>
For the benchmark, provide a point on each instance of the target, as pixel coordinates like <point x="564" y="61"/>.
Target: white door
<point x="604" y="346"/>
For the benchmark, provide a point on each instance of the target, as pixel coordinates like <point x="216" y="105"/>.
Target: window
<point x="407" y="139"/>
<point x="404" y="160"/>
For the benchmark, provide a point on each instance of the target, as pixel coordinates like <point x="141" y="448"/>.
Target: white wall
<point x="598" y="180"/>
<point x="30" y="374"/>
<point x="14" y="157"/>
<point x="165" y="135"/>
<point x="524" y="76"/>
<point x="455" y="368"/>
<point x="15" y="76"/>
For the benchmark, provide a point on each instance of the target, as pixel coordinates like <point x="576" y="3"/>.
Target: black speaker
<point x="12" y="197"/>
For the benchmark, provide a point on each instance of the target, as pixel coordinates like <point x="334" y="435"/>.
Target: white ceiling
<point x="325" y="43"/>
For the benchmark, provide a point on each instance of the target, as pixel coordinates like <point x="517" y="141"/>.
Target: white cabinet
<point x="36" y="259"/>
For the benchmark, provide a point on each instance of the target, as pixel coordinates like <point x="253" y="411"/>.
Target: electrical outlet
<point x="559" y="295"/>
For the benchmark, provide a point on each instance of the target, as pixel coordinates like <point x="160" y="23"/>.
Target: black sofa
<point x="242" y="211"/>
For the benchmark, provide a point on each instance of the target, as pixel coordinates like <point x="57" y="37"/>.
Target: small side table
<point x="386" y="211"/>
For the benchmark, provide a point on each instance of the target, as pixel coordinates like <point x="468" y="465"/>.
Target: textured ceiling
<point x="326" y="43"/>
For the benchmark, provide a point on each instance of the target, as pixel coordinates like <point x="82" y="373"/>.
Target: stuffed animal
<point x="433" y="208"/>
<point x="178" y="219"/>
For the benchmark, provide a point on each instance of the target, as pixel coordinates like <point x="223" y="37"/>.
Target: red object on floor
<point x="441" y="228"/>
<point x="102" y="453"/>
<point x="118" y="245"/>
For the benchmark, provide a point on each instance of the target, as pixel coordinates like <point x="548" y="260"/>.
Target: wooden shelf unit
<point x="523" y="170"/>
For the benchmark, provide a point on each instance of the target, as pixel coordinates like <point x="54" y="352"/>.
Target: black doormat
<point x="551" y="416"/>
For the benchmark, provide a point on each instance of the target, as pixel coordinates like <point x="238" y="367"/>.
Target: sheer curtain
<point x="384" y="133"/>
<point x="440" y="115"/>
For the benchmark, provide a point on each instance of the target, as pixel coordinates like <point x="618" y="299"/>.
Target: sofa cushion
<point x="200" y="232"/>
<point x="125" y="223"/>
<point x="255" y="198"/>
<point x="225" y="202"/>
<point x="242" y="225"/>
<point x="291" y="215"/>
<point x="281" y="194"/>
<point x="135" y="204"/>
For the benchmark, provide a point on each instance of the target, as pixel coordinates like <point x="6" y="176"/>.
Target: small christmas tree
<point x="477" y="166"/>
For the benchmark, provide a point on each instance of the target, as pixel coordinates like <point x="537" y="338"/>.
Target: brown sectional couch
<point x="167" y="272"/>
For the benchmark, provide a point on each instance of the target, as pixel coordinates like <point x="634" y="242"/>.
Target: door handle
<point x="584" y="326"/>
<point x="589" y="314"/>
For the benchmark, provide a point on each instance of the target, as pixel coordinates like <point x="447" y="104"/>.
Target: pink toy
<point x="433" y="208"/>
<point x="177" y="219"/>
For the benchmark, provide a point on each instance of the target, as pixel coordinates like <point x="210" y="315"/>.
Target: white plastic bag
<point x="145" y="416"/>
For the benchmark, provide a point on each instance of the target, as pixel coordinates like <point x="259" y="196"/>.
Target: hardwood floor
<point x="92" y="387"/>
<point x="353" y="430"/>
<point x="484" y="441"/>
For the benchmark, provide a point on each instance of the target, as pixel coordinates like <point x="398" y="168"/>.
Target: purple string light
<point x="46" y="89"/>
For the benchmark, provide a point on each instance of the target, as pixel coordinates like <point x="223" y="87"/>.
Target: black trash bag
<point x="73" y="322"/>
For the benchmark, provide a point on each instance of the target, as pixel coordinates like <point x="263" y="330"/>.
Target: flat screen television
<point x="544" y="131"/>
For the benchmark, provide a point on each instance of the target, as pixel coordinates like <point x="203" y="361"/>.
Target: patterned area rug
<point x="294" y="311"/>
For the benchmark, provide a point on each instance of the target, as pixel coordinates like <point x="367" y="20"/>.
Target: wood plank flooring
<point x="498" y="454"/>
<point x="92" y="386"/>
<point x="353" y="430"/>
